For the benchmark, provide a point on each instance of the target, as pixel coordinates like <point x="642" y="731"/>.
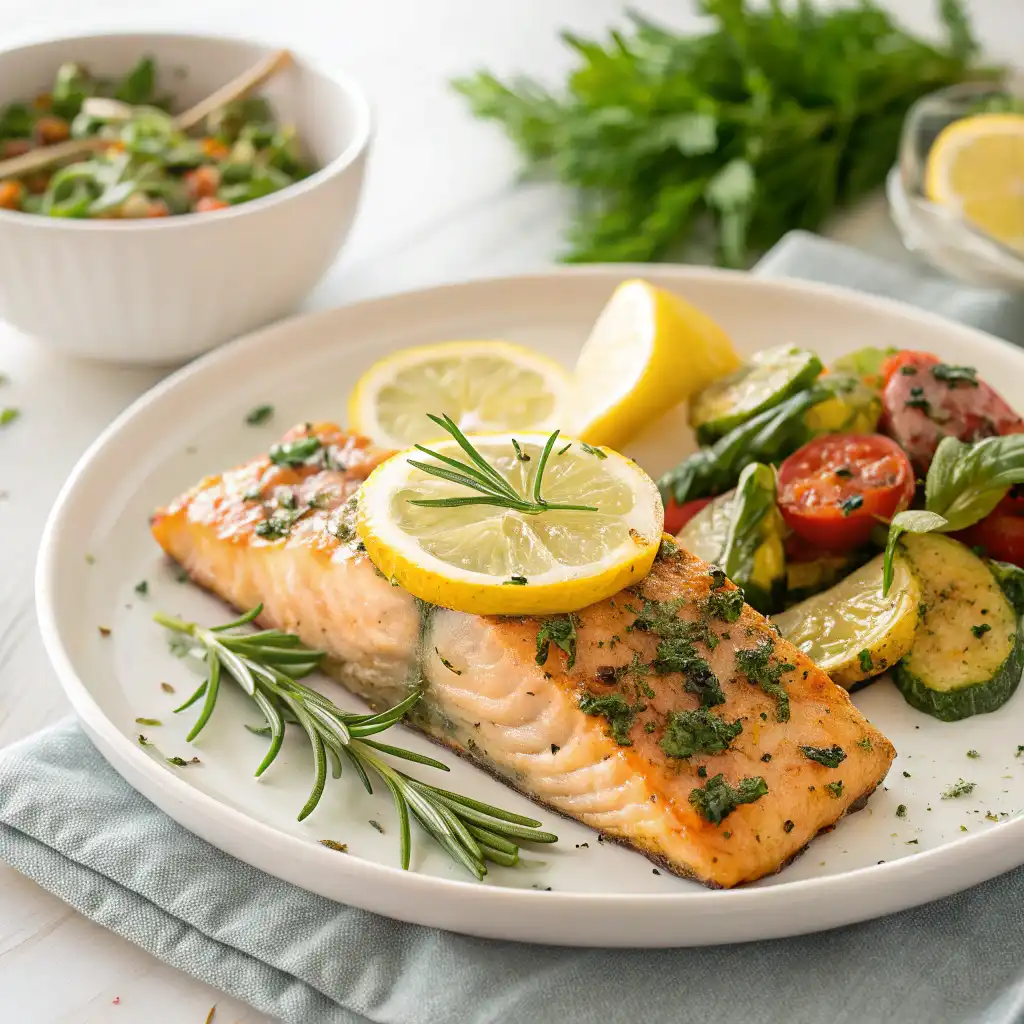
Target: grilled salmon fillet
<point x="670" y="717"/>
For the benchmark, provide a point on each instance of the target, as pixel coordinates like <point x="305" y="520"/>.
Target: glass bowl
<point x="936" y="232"/>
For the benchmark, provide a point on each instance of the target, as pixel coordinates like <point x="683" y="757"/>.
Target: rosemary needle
<point x="480" y="476"/>
<point x="267" y="665"/>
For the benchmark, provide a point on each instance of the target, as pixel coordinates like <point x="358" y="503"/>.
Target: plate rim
<point x="288" y="848"/>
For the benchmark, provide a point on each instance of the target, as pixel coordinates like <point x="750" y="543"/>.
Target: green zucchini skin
<point x="956" y="584"/>
<point x="956" y="705"/>
<point x="729" y="402"/>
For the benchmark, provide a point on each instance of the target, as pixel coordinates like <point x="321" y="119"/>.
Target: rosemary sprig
<point x="480" y="476"/>
<point x="268" y="664"/>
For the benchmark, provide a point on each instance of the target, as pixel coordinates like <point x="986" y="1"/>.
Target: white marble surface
<point x="442" y="203"/>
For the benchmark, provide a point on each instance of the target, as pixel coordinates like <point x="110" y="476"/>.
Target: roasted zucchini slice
<point x="770" y="377"/>
<point x="852" y="631"/>
<point x="968" y="654"/>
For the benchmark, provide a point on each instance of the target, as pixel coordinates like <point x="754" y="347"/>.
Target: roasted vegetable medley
<point x="150" y="168"/>
<point x="874" y="509"/>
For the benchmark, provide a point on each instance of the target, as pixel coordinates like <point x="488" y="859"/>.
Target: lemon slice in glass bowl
<point x="544" y="525"/>
<point x="484" y="386"/>
<point x="976" y="166"/>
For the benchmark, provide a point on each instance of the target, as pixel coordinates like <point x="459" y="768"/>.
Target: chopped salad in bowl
<point x="144" y="164"/>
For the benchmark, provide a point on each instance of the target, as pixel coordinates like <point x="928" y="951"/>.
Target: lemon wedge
<point x="976" y="166"/>
<point x="484" y="386"/>
<point x="648" y="351"/>
<point x="510" y="559"/>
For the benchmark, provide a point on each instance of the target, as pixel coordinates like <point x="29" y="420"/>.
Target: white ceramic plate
<point x="872" y="864"/>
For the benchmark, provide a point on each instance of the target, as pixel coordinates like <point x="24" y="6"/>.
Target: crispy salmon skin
<point x="671" y="717"/>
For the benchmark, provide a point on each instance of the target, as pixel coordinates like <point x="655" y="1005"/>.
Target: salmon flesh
<point x="671" y="717"/>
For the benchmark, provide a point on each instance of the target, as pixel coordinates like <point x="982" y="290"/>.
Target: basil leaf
<point x="916" y="521"/>
<point x="966" y="482"/>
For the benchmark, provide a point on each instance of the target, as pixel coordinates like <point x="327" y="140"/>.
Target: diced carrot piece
<point x="210" y="203"/>
<point x="11" y="195"/>
<point x="214" y="148"/>
<point x="202" y="182"/>
<point x="49" y="130"/>
<point x="158" y="208"/>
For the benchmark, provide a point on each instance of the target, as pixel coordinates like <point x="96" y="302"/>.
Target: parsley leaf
<point x="560" y="631"/>
<point x="716" y="799"/>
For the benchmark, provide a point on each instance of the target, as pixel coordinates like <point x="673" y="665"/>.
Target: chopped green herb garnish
<point x="718" y="577"/>
<point x="702" y="771"/>
<point x="148" y="721"/>
<point x="973" y="754"/>
<point x="8" y="416"/>
<point x="447" y="664"/>
<point x="901" y="811"/>
<point x="906" y="775"/>
<point x="865" y="743"/>
<point x="788" y="826"/>
<point x="142" y="588"/>
<point x="835" y="789"/>
<point x="851" y="504"/>
<point x="959" y="788"/>
<point x="697" y="732"/>
<point x="377" y="825"/>
<point x="562" y="451"/>
<point x="515" y="581"/>
<point x="766" y="757"/>
<point x="332" y="845"/>
<point x="716" y="799"/>
<point x="143" y="742"/>
<point x="756" y="664"/>
<point x="178" y="762"/>
<point x="918" y="401"/>
<point x="828" y="757"/>
<point x="726" y="605"/>
<point x="591" y="450"/>
<point x="1020" y="750"/>
<point x="980" y="630"/>
<point x="555" y="748"/>
<point x="649" y="727"/>
<point x="953" y="375"/>
<point x="619" y="715"/>
<point x="560" y="631"/>
<point x="296" y="453"/>
<point x="843" y="473"/>
<point x="908" y="371"/>
<point x="259" y="415"/>
<point x="864" y="657"/>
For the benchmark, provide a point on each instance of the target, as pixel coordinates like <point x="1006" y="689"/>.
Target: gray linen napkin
<point x="68" y="821"/>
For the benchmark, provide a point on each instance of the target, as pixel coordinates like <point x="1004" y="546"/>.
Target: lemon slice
<point x="850" y="630"/>
<point x="976" y="166"/>
<point x="495" y="560"/>
<point x="648" y="351"/>
<point x="483" y="386"/>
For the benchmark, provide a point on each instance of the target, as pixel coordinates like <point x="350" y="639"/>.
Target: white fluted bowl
<point x="161" y="291"/>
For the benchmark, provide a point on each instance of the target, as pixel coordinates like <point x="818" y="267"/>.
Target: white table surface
<point x="442" y="203"/>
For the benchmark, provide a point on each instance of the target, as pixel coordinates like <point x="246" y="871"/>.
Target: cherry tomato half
<point x="677" y="516"/>
<point x="925" y="400"/>
<point x="834" y="490"/>
<point x="1000" y="533"/>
